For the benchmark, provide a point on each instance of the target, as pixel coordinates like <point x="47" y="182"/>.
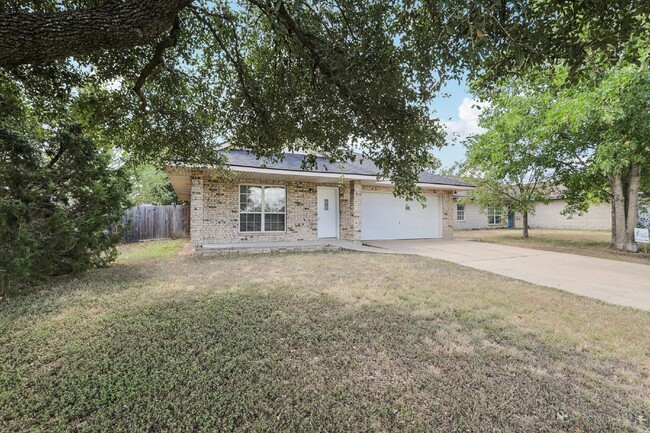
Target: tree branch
<point x="57" y="156"/>
<point x="36" y="37"/>
<point x="307" y="41"/>
<point x="235" y="59"/>
<point x="345" y="20"/>
<point x="153" y="63"/>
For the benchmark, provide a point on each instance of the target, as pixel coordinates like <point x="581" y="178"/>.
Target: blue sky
<point x="460" y="119"/>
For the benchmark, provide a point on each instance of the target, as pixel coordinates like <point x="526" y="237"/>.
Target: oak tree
<point x="171" y="79"/>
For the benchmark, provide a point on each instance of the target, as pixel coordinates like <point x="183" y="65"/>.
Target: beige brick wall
<point x="475" y="219"/>
<point x="221" y="213"/>
<point x="345" y="216"/>
<point x="215" y="211"/>
<point x="448" y="213"/>
<point x="350" y="211"/>
<point x="267" y="250"/>
<point x="355" y="210"/>
<point x="196" y="210"/>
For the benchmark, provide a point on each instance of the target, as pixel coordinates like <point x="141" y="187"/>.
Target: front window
<point x="494" y="215"/>
<point x="460" y="212"/>
<point x="262" y="208"/>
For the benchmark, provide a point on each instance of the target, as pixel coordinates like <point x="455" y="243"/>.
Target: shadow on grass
<point x="255" y="360"/>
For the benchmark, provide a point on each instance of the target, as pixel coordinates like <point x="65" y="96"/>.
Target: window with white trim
<point x="495" y="215"/>
<point x="460" y="212"/>
<point x="262" y="208"/>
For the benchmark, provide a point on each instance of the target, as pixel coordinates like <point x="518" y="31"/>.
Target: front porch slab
<point x="283" y="247"/>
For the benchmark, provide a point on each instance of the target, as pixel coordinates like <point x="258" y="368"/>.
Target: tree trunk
<point x="618" y="213"/>
<point x="34" y="37"/>
<point x="613" y="233"/>
<point x="524" y="219"/>
<point x="632" y="210"/>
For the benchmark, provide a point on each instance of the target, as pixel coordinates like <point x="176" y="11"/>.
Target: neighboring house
<point x="470" y="217"/>
<point x="279" y="202"/>
<point x="546" y="216"/>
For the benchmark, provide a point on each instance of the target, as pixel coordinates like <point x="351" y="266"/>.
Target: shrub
<point x="59" y="198"/>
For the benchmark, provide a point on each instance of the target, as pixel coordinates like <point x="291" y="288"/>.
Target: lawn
<point x="585" y="242"/>
<point x="166" y="341"/>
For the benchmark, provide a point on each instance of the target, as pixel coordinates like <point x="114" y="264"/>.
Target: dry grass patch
<point x="317" y="342"/>
<point x="584" y="242"/>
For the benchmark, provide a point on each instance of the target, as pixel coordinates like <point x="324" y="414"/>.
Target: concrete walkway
<point x="611" y="281"/>
<point x="268" y="247"/>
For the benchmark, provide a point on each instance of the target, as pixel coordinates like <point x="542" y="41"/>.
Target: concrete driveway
<point x="611" y="281"/>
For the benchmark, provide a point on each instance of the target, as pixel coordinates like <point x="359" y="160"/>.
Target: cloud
<point x="467" y="123"/>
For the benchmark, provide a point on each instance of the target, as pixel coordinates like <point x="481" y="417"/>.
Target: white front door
<point x="328" y="212"/>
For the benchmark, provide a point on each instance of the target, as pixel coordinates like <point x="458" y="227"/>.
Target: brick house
<point x="265" y="202"/>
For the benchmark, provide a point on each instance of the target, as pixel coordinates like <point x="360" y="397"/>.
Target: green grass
<point x="316" y="342"/>
<point x="149" y="250"/>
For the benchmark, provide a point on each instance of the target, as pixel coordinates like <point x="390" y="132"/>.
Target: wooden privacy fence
<point x="157" y="222"/>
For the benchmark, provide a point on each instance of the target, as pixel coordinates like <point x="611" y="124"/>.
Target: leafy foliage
<point x="332" y="76"/>
<point x="510" y="158"/>
<point x="591" y="137"/>
<point x="600" y="134"/>
<point x="149" y="185"/>
<point x="59" y="198"/>
<point x="513" y="39"/>
<point x="596" y="130"/>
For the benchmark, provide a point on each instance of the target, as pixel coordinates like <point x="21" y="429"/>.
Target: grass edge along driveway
<point x="594" y="243"/>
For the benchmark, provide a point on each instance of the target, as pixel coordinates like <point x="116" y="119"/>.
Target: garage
<point x="384" y="216"/>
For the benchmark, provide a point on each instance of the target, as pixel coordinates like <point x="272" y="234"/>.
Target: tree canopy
<point x="599" y="136"/>
<point x="590" y="138"/>
<point x="329" y="76"/>
<point x="171" y="79"/>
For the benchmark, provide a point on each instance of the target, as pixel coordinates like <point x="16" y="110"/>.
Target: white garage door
<point x="384" y="216"/>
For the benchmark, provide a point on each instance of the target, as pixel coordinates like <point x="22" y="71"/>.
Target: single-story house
<point x="547" y="216"/>
<point x="265" y="201"/>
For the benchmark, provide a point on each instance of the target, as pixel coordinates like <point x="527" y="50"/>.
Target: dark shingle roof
<point x="293" y="162"/>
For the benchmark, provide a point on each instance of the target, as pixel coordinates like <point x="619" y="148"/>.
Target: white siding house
<point x="546" y="216"/>
<point x="549" y="216"/>
<point x="469" y="217"/>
